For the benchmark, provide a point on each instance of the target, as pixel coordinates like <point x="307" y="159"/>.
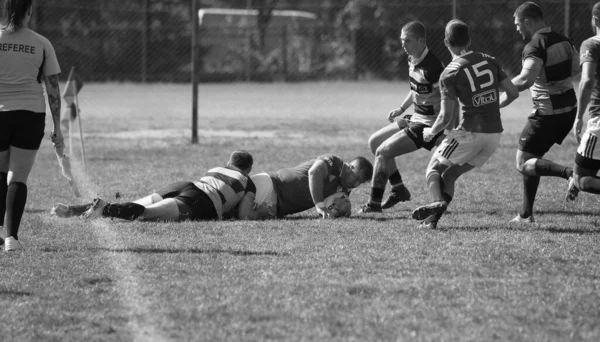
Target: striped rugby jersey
<point x="552" y="92"/>
<point x="424" y="74"/>
<point x="474" y="79"/>
<point x="590" y="52"/>
<point x="225" y="186"/>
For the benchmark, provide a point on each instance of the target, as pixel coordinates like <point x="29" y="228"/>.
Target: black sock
<point x="530" y="186"/>
<point x="3" y="190"/>
<point x="395" y="179"/>
<point x="126" y="211"/>
<point x="545" y="167"/>
<point x="447" y="198"/>
<point x="16" y="197"/>
<point x="376" y="197"/>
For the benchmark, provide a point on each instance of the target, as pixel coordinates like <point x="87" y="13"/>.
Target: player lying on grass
<point x="220" y="190"/>
<point x="475" y="80"/>
<point x="405" y="136"/>
<point x="293" y="190"/>
<point x="587" y="159"/>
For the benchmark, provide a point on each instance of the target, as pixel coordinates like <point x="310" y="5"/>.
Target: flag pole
<point x="70" y="129"/>
<point x="78" y="111"/>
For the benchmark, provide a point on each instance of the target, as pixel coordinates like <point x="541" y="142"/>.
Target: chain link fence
<point x="150" y="40"/>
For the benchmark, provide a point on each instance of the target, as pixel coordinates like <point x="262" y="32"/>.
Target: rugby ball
<point x="339" y="204"/>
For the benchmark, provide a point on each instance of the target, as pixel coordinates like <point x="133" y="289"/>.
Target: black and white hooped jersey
<point x="424" y="75"/>
<point x="225" y="186"/>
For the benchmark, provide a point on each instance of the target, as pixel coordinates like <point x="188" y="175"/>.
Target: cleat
<point x="401" y="194"/>
<point x="11" y="244"/>
<point x="64" y="211"/>
<point x="367" y="209"/>
<point x="423" y="212"/>
<point x="95" y="210"/>
<point x="572" y="190"/>
<point x="430" y="222"/>
<point x="523" y="222"/>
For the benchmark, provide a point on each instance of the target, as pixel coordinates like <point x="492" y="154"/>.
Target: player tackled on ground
<point x="587" y="160"/>
<point x="293" y="190"/>
<point x="220" y="190"/>
<point x="549" y="63"/>
<point x="475" y="80"/>
<point x="405" y="136"/>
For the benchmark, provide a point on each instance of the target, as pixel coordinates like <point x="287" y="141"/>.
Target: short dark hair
<point x="14" y="12"/>
<point x="415" y="27"/>
<point x="364" y="167"/>
<point x="457" y="33"/>
<point x="241" y="159"/>
<point x="596" y="11"/>
<point x="529" y="10"/>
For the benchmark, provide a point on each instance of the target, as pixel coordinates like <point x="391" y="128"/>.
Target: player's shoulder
<point x="592" y="43"/>
<point x="432" y="62"/>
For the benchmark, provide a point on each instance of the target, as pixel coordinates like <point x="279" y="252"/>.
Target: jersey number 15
<point x="480" y="73"/>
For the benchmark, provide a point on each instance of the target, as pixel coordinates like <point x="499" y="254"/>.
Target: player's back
<point x="226" y="186"/>
<point x="474" y="79"/>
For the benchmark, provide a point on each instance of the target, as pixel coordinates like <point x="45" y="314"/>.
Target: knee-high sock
<point x="530" y="187"/>
<point x="395" y="180"/>
<point x="436" y="185"/>
<point x="375" y="198"/>
<point x="544" y="167"/>
<point x="125" y="211"/>
<point x="16" y="197"/>
<point x="3" y="190"/>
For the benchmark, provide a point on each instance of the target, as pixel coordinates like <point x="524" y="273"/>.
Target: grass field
<point x="368" y="278"/>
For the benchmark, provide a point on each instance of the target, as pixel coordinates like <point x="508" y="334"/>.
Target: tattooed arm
<point x="53" y="92"/>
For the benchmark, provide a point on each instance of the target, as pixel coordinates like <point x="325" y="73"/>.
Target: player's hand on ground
<point x="427" y="134"/>
<point x="57" y="139"/>
<point x="394" y="114"/>
<point x="577" y="126"/>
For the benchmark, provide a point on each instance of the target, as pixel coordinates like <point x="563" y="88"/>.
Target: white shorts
<point x="588" y="147"/>
<point x="265" y="192"/>
<point x="462" y="147"/>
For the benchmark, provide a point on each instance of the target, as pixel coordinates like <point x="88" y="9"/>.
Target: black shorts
<point x="543" y="131"/>
<point x="587" y="163"/>
<point x="415" y="133"/>
<point x="21" y="128"/>
<point x="198" y="206"/>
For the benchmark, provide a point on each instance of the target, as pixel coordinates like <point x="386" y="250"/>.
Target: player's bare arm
<point x="529" y="73"/>
<point x="510" y="94"/>
<point x="316" y="182"/>
<point x="53" y="91"/>
<point x="584" y="94"/>
<point x="408" y="101"/>
<point x="446" y="117"/>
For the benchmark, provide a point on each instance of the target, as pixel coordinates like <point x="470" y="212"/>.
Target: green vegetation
<point x="367" y="278"/>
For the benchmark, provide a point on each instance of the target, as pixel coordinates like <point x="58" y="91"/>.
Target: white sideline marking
<point x="141" y="320"/>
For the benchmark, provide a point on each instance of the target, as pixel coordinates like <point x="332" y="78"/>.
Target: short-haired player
<point x="404" y="136"/>
<point x="474" y="80"/>
<point x="549" y="63"/>
<point x="219" y="191"/>
<point x="293" y="190"/>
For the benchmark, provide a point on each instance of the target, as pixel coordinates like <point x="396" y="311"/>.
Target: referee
<point x="25" y="59"/>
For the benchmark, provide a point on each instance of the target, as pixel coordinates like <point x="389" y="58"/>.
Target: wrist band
<point x="319" y="205"/>
<point x="402" y="109"/>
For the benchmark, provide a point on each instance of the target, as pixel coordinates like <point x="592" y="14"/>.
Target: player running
<point x="475" y="80"/>
<point x="405" y="136"/>
<point x="220" y="190"/>
<point x="293" y="190"/>
<point x="549" y="63"/>
<point x="587" y="159"/>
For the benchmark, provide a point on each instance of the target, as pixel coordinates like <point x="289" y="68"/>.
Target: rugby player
<point x="220" y="190"/>
<point x="405" y="136"/>
<point x="293" y="190"/>
<point x="475" y="80"/>
<point x="587" y="159"/>
<point x="549" y="63"/>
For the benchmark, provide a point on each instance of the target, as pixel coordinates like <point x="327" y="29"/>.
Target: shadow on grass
<point x="561" y="230"/>
<point x="568" y="212"/>
<point x="144" y="250"/>
<point x="14" y="293"/>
